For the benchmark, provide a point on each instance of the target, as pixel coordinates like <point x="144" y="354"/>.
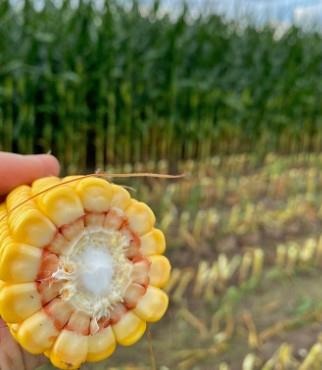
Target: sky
<point x="306" y="13"/>
<point x="302" y="12"/>
<point x="298" y="11"/>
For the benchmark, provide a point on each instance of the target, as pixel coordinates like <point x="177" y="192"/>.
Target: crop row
<point x="207" y="280"/>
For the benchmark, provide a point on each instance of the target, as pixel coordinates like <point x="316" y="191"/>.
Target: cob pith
<point x="81" y="268"/>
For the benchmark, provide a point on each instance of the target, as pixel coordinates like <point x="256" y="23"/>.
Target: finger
<point x="32" y="362"/>
<point x="17" y="169"/>
<point x="10" y="353"/>
<point x="13" y="357"/>
<point x="4" y="362"/>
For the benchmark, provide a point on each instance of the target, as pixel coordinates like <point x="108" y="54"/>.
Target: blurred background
<point x="227" y="92"/>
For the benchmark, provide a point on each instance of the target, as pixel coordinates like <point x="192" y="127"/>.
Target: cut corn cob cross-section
<point x="81" y="268"/>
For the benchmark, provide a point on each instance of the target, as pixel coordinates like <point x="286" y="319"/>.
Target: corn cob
<point x="80" y="268"/>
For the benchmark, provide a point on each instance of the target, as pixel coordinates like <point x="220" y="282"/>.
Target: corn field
<point x="244" y="239"/>
<point x="121" y="85"/>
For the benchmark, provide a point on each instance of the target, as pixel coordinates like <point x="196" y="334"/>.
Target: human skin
<point x="16" y="169"/>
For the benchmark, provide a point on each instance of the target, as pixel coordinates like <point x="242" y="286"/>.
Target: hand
<point x="15" y="170"/>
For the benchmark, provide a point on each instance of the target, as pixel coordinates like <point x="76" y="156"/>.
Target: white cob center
<point x="96" y="271"/>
